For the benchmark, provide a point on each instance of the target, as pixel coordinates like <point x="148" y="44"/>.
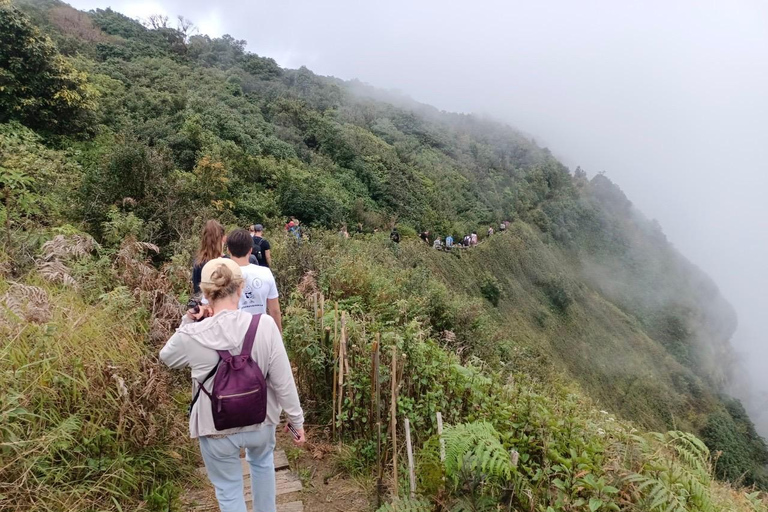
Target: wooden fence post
<point x="409" y="450"/>
<point x="393" y="417"/>
<point x="335" y="366"/>
<point x="322" y="311"/>
<point x="377" y="416"/>
<point x="440" y="435"/>
<point x="342" y="369"/>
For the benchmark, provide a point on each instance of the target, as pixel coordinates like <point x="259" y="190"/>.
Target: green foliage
<point x="474" y="449"/>
<point x="676" y="475"/>
<point x="489" y="287"/>
<point x="37" y="85"/>
<point x="741" y="451"/>
<point x="407" y="505"/>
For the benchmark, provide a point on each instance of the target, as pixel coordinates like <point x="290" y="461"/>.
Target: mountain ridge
<point x="124" y="133"/>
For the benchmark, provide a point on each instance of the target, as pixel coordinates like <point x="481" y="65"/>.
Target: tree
<point x="37" y="85"/>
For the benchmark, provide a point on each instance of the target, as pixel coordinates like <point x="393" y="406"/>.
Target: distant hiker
<point x="438" y="244"/>
<point x="249" y="394"/>
<point x="473" y="238"/>
<point x="343" y="233"/>
<point x="503" y="226"/>
<point x="359" y="229"/>
<point x="261" y="247"/>
<point x="490" y="230"/>
<point x="395" y="236"/>
<point x="424" y="235"/>
<point x="448" y="242"/>
<point x="211" y="247"/>
<point x="260" y="293"/>
<point x="293" y="228"/>
<point x="467" y="240"/>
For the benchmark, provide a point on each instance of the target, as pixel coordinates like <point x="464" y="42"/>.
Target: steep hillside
<point x="120" y="141"/>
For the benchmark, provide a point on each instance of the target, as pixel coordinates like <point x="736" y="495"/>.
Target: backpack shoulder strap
<point x="250" y="335"/>
<point x="201" y="387"/>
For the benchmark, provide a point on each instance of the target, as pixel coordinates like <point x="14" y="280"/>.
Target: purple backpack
<point x="239" y="395"/>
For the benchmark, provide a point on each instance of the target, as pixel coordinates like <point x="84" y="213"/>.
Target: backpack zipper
<point x="239" y="394"/>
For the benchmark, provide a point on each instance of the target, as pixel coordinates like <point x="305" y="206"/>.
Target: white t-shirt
<point x="259" y="286"/>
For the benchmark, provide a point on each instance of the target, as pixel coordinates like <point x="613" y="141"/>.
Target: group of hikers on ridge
<point x="448" y="243"/>
<point x="231" y="338"/>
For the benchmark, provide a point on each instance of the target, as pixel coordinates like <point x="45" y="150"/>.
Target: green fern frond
<point x="475" y="447"/>
<point x="676" y="474"/>
<point x="407" y="505"/>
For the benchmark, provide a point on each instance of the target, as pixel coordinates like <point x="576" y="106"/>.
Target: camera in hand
<point x="193" y="305"/>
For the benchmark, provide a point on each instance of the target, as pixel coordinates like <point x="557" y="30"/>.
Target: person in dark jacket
<point x="261" y="247"/>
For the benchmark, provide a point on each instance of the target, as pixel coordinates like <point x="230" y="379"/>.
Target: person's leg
<point x="259" y="452"/>
<point x="222" y="461"/>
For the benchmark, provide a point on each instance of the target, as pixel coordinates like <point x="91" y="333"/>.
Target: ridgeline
<point x="564" y="340"/>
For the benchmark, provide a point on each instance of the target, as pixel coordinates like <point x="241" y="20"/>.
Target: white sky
<point x="669" y="98"/>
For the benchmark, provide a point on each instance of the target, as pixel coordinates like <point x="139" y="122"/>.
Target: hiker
<point x="437" y="244"/>
<point x="473" y="238"/>
<point x="466" y="240"/>
<point x="211" y="247"/>
<point x="343" y="233"/>
<point x="260" y="293"/>
<point x="449" y="242"/>
<point x="503" y="226"/>
<point x="261" y="247"/>
<point x="490" y="230"/>
<point x="293" y="228"/>
<point x="249" y="422"/>
<point x="395" y="236"/>
<point x="424" y="235"/>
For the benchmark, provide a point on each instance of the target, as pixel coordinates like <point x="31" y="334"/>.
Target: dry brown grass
<point x="150" y="286"/>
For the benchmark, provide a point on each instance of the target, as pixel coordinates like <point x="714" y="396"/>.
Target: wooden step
<point x="285" y="483"/>
<point x="293" y="506"/>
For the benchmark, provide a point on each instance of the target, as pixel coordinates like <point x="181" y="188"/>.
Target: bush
<point x="489" y="287"/>
<point x="40" y="88"/>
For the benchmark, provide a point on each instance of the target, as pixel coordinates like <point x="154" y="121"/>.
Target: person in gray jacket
<point x="195" y="344"/>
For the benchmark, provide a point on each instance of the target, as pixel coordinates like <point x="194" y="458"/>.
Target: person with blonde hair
<point x="214" y="345"/>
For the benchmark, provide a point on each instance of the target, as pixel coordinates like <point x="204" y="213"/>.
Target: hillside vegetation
<point x="566" y="340"/>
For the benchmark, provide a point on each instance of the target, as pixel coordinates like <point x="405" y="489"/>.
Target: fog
<point x="670" y="99"/>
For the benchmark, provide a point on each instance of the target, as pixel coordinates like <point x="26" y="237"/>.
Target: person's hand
<point x="203" y="312"/>
<point x="302" y="437"/>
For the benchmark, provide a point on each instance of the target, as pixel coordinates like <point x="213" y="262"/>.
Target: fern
<point x="475" y="448"/>
<point x="407" y="505"/>
<point x="676" y="476"/>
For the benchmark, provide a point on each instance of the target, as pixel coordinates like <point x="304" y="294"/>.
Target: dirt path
<point x="308" y="480"/>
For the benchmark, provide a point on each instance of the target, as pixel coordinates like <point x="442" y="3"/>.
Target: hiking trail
<point x="310" y="483"/>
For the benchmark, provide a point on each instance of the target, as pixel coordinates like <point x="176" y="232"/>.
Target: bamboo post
<point x="409" y="449"/>
<point x="393" y="417"/>
<point x="314" y="304"/>
<point x="322" y="311"/>
<point x="440" y="435"/>
<point x="377" y="415"/>
<point x="442" y="443"/>
<point x="342" y="363"/>
<point x="335" y="363"/>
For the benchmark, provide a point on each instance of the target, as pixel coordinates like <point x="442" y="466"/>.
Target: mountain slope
<point x="128" y="133"/>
